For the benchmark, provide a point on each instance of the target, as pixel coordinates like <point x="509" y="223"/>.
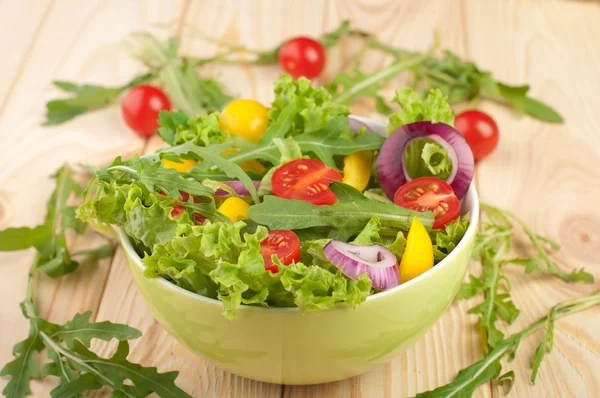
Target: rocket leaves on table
<point x="67" y="346"/>
<point x="85" y="98"/>
<point x="489" y="368"/>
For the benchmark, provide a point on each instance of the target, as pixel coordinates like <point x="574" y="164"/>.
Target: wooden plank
<point x="28" y="20"/>
<point x="83" y="50"/>
<point x="543" y="172"/>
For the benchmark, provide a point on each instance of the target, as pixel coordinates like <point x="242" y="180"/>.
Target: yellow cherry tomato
<point x="357" y="169"/>
<point x="234" y="208"/>
<point x="248" y="165"/>
<point x="246" y="118"/>
<point x="418" y="255"/>
<point x="183" y="167"/>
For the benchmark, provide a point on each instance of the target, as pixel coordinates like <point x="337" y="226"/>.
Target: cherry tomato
<point x="480" y="131"/>
<point x="284" y="244"/>
<point x="141" y="106"/>
<point x="307" y="180"/>
<point x="302" y="56"/>
<point x="179" y="209"/>
<point x="429" y="193"/>
<point x="246" y="118"/>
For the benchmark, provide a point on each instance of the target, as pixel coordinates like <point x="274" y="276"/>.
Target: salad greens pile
<point x="222" y="259"/>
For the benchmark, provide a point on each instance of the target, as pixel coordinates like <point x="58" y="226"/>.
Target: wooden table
<point x="549" y="174"/>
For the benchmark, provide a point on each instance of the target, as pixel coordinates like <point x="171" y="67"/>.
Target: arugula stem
<point x="386" y="73"/>
<point x="80" y="361"/>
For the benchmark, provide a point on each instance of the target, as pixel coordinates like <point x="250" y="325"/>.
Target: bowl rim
<point x="471" y="230"/>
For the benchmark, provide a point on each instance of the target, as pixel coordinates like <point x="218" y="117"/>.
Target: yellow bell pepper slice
<point x="249" y="165"/>
<point x="183" y="167"/>
<point x="357" y="169"/>
<point x="234" y="208"/>
<point x="418" y="255"/>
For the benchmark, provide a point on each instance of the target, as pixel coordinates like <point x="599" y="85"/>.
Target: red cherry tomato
<point x="302" y="56"/>
<point x="140" y="108"/>
<point x="429" y="193"/>
<point x="179" y="209"/>
<point x="284" y="244"/>
<point x="480" y="131"/>
<point x="307" y="180"/>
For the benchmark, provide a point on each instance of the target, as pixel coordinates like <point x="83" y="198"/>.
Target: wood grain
<point x="546" y="173"/>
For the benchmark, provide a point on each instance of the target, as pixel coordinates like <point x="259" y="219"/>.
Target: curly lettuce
<point x="433" y="107"/>
<point x="218" y="261"/>
<point x="314" y="104"/>
<point x="446" y="240"/>
<point x="177" y="128"/>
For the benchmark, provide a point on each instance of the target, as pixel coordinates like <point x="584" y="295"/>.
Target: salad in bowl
<point x="296" y="244"/>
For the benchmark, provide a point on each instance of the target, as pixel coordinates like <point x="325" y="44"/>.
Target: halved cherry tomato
<point x="302" y="56"/>
<point x="429" y="193"/>
<point x="179" y="209"/>
<point x="307" y="180"/>
<point x="140" y="108"/>
<point x="284" y="244"/>
<point x="480" y="131"/>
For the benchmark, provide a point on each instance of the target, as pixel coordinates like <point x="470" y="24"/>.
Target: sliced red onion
<point x="391" y="170"/>
<point x="354" y="260"/>
<point x="372" y="126"/>
<point x="237" y="186"/>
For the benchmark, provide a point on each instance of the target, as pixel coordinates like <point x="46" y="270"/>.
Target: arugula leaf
<point x="49" y="239"/>
<point x="23" y="368"/>
<point x="416" y="108"/>
<point x="313" y="104"/>
<point x="85" y="98"/>
<point x="212" y="156"/>
<point x="187" y="91"/>
<point x="329" y="141"/>
<point x="488" y="368"/>
<point x="324" y="143"/>
<point x="347" y="216"/>
<point x="347" y="87"/>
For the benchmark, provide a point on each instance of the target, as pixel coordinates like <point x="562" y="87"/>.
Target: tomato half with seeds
<point x="307" y="180"/>
<point x="283" y="243"/>
<point x="429" y="193"/>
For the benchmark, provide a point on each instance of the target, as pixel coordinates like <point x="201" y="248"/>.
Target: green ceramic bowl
<point x="281" y="345"/>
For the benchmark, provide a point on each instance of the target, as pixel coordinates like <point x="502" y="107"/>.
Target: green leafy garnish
<point x="434" y="107"/>
<point x="85" y="98"/>
<point x="314" y="104"/>
<point x="214" y="260"/>
<point x="348" y="216"/>
<point x="492" y="248"/>
<point x="489" y="368"/>
<point x="176" y="129"/>
<point x="68" y="354"/>
<point x="426" y="157"/>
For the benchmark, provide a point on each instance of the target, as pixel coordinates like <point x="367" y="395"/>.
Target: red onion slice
<point x="390" y="163"/>
<point x="354" y="260"/>
<point x="237" y="186"/>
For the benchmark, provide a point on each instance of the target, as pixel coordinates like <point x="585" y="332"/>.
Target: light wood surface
<point x="546" y="173"/>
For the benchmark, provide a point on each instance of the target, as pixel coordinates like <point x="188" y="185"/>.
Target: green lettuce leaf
<point x="316" y="288"/>
<point x="214" y="260"/>
<point x="314" y="104"/>
<point x="177" y="128"/>
<point x="434" y="107"/>
<point x="445" y="240"/>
